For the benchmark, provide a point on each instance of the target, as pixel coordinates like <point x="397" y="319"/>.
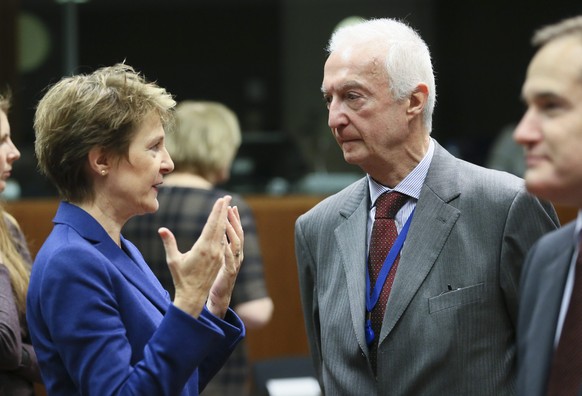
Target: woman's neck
<point x="184" y="179"/>
<point x="109" y="219"/>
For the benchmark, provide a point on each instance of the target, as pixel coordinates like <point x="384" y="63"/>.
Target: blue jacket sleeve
<point x="97" y="334"/>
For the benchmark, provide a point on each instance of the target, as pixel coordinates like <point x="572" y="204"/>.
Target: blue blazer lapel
<point x="131" y="265"/>
<point x="432" y="223"/>
<point x="351" y="241"/>
<point x="136" y="271"/>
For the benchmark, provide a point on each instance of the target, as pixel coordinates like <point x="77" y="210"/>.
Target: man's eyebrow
<point x="344" y="86"/>
<point x="546" y="95"/>
<point x="538" y="95"/>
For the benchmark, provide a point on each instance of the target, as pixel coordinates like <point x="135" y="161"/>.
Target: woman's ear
<point x="99" y="161"/>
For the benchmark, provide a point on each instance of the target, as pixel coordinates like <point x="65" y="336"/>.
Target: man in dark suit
<point x="550" y="315"/>
<point x="447" y="327"/>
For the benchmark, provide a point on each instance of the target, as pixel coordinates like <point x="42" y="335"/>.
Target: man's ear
<point x="418" y="100"/>
<point x="99" y="161"/>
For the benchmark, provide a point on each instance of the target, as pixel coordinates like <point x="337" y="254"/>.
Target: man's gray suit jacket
<point x="471" y="230"/>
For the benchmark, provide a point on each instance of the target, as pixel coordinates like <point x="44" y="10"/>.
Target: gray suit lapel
<point x="351" y="240"/>
<point x="431" y="226"/>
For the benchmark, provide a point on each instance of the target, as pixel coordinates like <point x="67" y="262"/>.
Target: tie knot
<point x="388" y="204"/>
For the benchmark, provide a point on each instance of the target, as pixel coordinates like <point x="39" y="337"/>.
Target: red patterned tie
<point x="384" y="234"/>
<point x="566" y="370"/>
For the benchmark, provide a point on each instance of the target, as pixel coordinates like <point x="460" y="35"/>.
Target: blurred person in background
<point x="505" y="154"/>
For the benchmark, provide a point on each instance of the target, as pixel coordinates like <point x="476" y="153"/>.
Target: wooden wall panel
<point x="285" y="334"/>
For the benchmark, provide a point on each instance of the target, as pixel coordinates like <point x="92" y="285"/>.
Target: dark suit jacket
<point x="471" y="229"/>
<point x="102" y="324"/>
<point x="542" y="288"/>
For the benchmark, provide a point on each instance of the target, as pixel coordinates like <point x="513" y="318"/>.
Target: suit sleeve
<point x="527" y="221"/>
<point x="83" y="317"/>
<point x="10" y="339"/>
<point x="308" y="290"/>
<point x="16" y="354"/>
<point x="230" y="326"/>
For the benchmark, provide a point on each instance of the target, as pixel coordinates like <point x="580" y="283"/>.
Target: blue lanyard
<point x="373" y="296"/>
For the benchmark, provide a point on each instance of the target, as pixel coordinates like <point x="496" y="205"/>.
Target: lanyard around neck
<point x="372" y="296"/>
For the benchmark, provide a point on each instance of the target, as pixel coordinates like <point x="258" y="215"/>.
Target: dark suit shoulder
<point x="560" y="238"/>
<point x="553" y="244"/>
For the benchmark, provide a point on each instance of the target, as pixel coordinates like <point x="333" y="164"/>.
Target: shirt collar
<point x="411" y="185"/>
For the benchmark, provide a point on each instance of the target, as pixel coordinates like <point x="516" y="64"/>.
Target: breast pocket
<point x="455" y="298"/>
